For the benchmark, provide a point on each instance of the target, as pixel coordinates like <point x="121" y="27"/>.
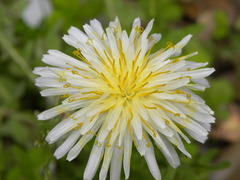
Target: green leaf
<point x="126" y="12"/>
<point x="222" y="24"/>
<point x="52" y="36"/>
<point x="218" y="96"/>
<point x="220" y="92"/>
<point x="16" y="130"/>
<point x="208" y="155"/>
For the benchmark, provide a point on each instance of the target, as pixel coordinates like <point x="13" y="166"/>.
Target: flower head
<point x="122" y="94"/>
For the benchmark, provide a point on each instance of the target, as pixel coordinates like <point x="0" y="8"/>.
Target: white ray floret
<point x="124" y="95"/>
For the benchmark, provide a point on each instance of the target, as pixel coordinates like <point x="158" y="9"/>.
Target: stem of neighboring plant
<point x="16" y="57"/>
<point x="110" y="8"/>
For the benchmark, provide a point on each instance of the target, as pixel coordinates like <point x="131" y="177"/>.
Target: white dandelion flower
<point x="123" y="95"/>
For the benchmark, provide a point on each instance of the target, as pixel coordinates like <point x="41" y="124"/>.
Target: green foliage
<point x="29" y="164"/>
<point x="75" y="12"/>
<point x="218" y="96"/>
<point x="222" y="28"/>
<point x="165" y="12"/>
<point x="24" y="153"/>
<point x="200" y="164"/>
<point x="126" y="13"/>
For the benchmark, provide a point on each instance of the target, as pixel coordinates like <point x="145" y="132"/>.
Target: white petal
<point x="189" y="65"/>
<point x="113" y="44"/>
<point x="147" y="29"/>
<point x="199" y="73"/>
<point x="173" y="66"/>
<point x="71" y="41"/>
<point x="167" y="150"/>
<point x="140" y="145"/>
<point x="93" y="161"/>
<point x="189" y="124"/>
<point x="82" y="142"/>
<point x="113" y="116"/>
<point x="202" y="81"/>
<point x="176" y="140"/>
<point x="153" y="39"/>
<point x="62" y="128"/>
<point x="116" y="164"/>
<point x="176" y="129"/>
<point x="88" y="106"/>
<point x="91" y="122"/>
<point x="79" y="81"/>
<point x="141" y="110"/>
<point x="202" y="117"/>
<point x="159" y="59"/>
<point x="50" y="113"/>
<point x="97" y="26"/>
<point x="127" y="154"/>
<point x="72" y="154"/>
<point x="195" y="114"/>
<point x="207" y="126"/>
<point x="125" y="42"/>
<point x="177" y="53"/>
<point x="123" y="127"/>
<point x="176" y="84"/>
<point x="57" y="58"/>
<point x="194" y="96"/>
<point x="137" y="126"/>
<point x="184" y="41"/>
<point x="151" y="162"/>
<point x="199" y="116"/>
<point x="192" y="65"/>
<point x="66" y="146"/>
<point x="92" y="35"/>
<point x="48" y="71"/>
<point x="116" y="24"/>
<point x="196" y="87"/>
<point x="103" y="132"/>
<point x="196" y="135"/>
<point x="106" y="163"/>
<point x="78" y="34"/>
<point x="155" y="115"/>
<point x="49" y="82"/>
<point x="170" y="108"/>
<point x="58" y="91"/>
<point x="165" y="131"/>
<point x="161" y="56"/>
<point x="136" y="23"/>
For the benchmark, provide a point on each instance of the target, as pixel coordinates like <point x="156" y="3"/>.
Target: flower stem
<point x="110" y="8"/>
<point x="16" y="57"/>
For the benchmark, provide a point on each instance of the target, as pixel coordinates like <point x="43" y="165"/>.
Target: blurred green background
<point x="215" y="24"/>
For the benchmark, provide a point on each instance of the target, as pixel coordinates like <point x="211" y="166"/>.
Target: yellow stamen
<point x="77" y="73"/>
<point x="105" y="110"/>
<point x="148" y="142"/>
<point x="65" y="96"/>
<point x="79" y="126"/>
<point x="98" y="144"/>
<point x="148" y="126"/>
<point x="148" y="107"/>
<point x="94" y="92"/>
<point x="67" y="63"/>
<point x="80" y="56"/>
<point x="131" y="133"/>
<point x="164" y="109"/>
